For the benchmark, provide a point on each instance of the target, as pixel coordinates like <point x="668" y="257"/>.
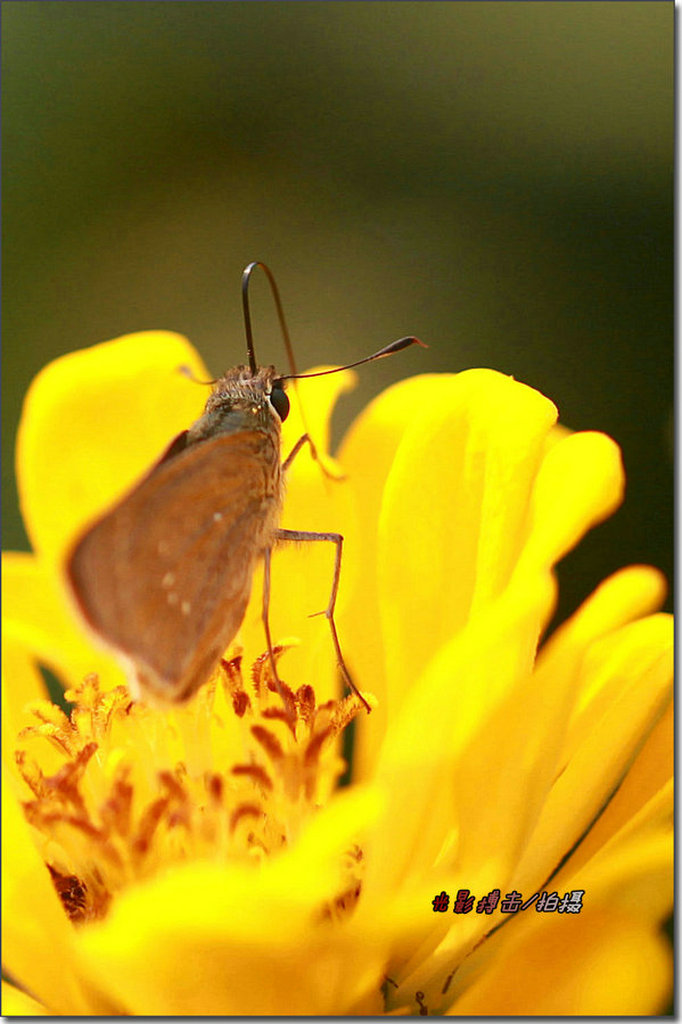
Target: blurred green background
<point x="496" y="178"/>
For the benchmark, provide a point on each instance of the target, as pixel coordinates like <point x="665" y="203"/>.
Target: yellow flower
<point x="204" y="861"/>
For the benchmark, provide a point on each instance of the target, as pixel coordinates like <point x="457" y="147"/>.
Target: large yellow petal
<point x="645" y="793"/>
<point x="580" y="482"/>
<point x="507" y="753"/>
<point x="609" y="959"/>
<point x="210" y="939"/>
<point x="442" y="716"/>
<point x="454" y="513"/>
<point x="16" y="1003"/>
<point x="93" y="422"/>
<point x="367" y="455"/>
<point x="540" y="706"/>
<point x="635" y="665"/>
<point x="37" y="938"/>
<point x="455" y="763"/>
<point x="627" y="595"/>
<point x="36" y="618"/>
<point x="602" y="964"/>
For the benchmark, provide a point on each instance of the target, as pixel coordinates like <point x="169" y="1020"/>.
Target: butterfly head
<point x="257" y="399"/>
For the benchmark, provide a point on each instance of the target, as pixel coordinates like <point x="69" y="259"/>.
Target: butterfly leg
<point x="266" y="625"/>
<point x="306" y="439"/>
<point x="337" y="539"/>
<point x="296" y="449"/>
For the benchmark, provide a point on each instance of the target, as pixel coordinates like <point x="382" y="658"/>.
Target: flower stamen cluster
<point x="140" y="788"/>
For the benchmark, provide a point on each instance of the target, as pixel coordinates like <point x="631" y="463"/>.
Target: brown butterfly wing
<point x="165" y="577"/>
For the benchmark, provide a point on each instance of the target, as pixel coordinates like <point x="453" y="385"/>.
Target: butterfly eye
<point x="279" y="402"/>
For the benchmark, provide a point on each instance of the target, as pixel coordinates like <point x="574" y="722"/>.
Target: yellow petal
<point x="453" y="513"/>
<point x="635" y="667"/>
<point x="601" y="855"/>
<point x="541" y="705"/>
<point x="607" y="661"/>
<point x="633" y="872"/>
<point x="624" y="597"/>
<point x="21" y="683"/>
<point x="367" y="455"/>
<point x="37" y="938"/>
<point x="608" y="959"/>
<point x="580" y="482"/>
<point x="209" y="939"/>
<point x="251" y="952"/>
<point x="642" y="792"/>
<point x="16" y="1003"/>
<point x="627" y="595"/>
<point x="601" y="964"/>
<point x="93" y="422"/>
<point x="37" y="619"/>
<point x="426" y="747"/>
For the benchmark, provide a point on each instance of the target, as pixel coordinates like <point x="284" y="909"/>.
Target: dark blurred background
<point x="496" y="178"/>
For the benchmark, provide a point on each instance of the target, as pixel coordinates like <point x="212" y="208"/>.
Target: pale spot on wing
<point x="217" y="516"/>
<point x="172" y="598"/>
<point x="168" y="580"/>
<point x="185" y="607"/>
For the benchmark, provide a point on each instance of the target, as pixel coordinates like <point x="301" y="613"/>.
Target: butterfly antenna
<point x="246" y="277"/>
<point x="388" y="350"/>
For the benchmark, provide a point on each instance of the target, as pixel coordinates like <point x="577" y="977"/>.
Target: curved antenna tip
<point x="388" y="350"/>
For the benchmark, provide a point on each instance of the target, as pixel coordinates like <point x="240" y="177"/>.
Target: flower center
<point x="230" y="776"/>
